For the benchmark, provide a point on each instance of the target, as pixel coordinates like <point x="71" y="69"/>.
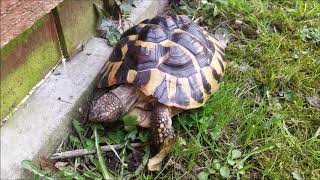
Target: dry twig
<point x="82" y="152"/>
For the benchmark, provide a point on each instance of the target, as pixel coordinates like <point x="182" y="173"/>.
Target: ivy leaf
<point x="106" y="29"/>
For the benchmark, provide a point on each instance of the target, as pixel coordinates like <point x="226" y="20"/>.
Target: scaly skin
<point x="112" y="105"/>
<point x="107" y="108"/>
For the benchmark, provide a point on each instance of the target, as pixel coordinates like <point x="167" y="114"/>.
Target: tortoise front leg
<point x="162" y="134"/>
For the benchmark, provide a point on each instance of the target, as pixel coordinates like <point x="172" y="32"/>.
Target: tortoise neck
<point x="128" y="96"/>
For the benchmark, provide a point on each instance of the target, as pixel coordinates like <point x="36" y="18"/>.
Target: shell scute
<point x="147" y="57"/>
<point x="177" y="63"/>
<point x="181" y="98"/>
<point x="166" y="23"/>
<point x="195" y="86"/>
<point x="152" y="33"/>
<point x="170" y="58"/>
<point x="142" y="78"/>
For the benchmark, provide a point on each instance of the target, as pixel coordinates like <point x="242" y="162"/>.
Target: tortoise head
<point x="107" y="108"/>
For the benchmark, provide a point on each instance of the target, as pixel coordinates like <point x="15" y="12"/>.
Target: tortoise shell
<point x="168" y="57"/>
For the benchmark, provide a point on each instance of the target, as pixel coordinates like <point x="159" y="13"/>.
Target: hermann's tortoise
<point x="159" y="67"/>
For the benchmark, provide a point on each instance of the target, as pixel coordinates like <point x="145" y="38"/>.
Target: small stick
<point x="81" y="152"/>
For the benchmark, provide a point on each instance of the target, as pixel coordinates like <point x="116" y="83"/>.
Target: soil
<point x="135" y="157"/>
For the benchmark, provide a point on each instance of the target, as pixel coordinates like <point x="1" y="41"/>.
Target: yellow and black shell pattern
<point x="168" y="57"/>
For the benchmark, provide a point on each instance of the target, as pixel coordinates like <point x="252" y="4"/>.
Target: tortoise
<point x="159" y="68"/>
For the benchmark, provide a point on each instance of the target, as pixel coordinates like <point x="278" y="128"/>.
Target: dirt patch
<point x="134" y="159"/>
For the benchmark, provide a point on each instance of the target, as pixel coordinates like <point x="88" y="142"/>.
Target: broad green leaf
<point x="132" y="135"/>
<point x="75" y="141"/>
<point x="130" y="122"/>
<point x="231" y="162"/>
<point x="89" y="144"/>
<point x="116" y="137"/>
<point x="203" y="175"/>
<point x="216" y="164"/>
<point x="92" y="175"/>
<point x="235" y="154"/>
<point x="144" y="136"/>
<point x="29" y="165"/>
<point x="69" y="172"/>
<point x="224" y="171"/>
<point x="215" y="134"/>
<point x="77" y="125"/>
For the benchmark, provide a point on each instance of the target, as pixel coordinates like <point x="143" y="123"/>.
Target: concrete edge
<point x="43" y="121"/>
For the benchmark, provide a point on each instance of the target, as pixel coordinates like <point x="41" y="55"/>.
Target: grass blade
<point x="106" y="174"/>
<point x="79" y="130"/>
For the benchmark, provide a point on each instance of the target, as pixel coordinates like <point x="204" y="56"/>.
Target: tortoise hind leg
<point x="161" y="124"/>
<point x="162" y="134"/>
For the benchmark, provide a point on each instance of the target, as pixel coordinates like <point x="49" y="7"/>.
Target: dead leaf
<point x="155" y="162"/>
<point x="313" y="101"/>
<point x="46" y="163"/>
<point x="58" y="165"/>
<point x="244" y="28"/>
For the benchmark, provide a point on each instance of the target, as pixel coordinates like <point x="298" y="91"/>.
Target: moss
<point x="79" y="26"/>
<point x="22" y="38"/>
<point x="18" y="83"/>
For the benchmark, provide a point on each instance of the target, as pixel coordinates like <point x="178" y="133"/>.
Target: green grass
<point x="258" y="125"/>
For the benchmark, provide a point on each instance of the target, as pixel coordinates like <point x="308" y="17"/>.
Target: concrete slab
<point x="43" y="121"/>
<point x="145" y="9"/>
<point x="40" y="124"/>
